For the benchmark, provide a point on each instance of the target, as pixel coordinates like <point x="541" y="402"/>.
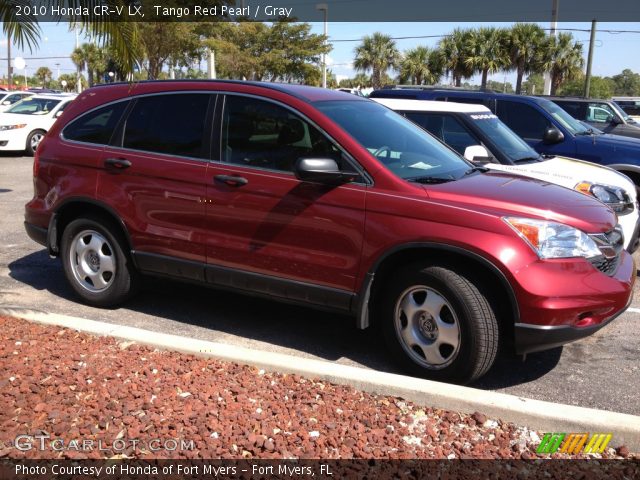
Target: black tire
<point x="465" y="308"/>
<point x="103" y="249"/>
<point x="29" y="147"/>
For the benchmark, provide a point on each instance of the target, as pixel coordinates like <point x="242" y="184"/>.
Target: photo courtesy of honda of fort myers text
<point x="319" y="239"/>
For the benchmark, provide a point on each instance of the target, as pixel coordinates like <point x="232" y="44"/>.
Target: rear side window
<point x="446" y="127"/>
<point x="96" y="126"/>
<point x="171" y="124"/>
<point x="575" y="109"/>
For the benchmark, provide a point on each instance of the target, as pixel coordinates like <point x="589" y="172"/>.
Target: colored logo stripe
<point x="573" y="443"/>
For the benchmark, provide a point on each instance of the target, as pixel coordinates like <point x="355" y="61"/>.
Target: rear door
<point x="153" y="175"/>
<point x="264" y="222"/>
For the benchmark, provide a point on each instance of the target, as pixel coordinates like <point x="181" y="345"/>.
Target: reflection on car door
<point x="262" y="219"/>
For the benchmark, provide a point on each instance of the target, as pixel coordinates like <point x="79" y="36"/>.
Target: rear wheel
<point x="95" y="262"/>
<point x="438" y="324"/>
<point x="33" y="140"/>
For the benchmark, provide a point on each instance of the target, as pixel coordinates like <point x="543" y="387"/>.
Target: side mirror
<point x="6" y="102"/>
<point x="477" y="154"/>
<point x="616" y="120"/>
<point x="58" y="114"/>
<point x="552" y="135"/>
<point x="321" y="170"/>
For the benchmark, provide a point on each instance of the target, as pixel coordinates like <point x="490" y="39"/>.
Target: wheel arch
<point x="76" y="207"/>
<point x="402" y="255"/>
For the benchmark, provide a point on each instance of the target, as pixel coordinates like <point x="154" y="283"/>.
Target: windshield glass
<point x="34" y="106"/>
<point x="562" y="117"/>
<point x="621" y="112"/>
<point x="503" y="137"/>
<point x="404" y="148"/>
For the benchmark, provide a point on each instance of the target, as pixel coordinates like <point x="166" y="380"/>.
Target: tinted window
<point x="263" y="134"/>
<point x="97" y="126"/>
<point x="523" y="119"/>
<point x="446" y="127"/>
<point x="400" y="145"/>
<point x="575" y="109"/>
<point x="474" y="100"/>
<point x="171" y="124"/>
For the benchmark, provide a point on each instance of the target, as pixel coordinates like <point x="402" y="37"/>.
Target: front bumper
<point x="568" y="302"/>
<point x="13" y="140"/>
<point x="634" y="241"/>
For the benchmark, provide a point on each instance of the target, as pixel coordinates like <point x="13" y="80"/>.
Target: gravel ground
<point x="132" y="401"/>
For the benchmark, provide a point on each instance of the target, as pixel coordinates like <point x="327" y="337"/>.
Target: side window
<point x="97" y="126"/>
<point x="474" y="100"/>
<point x="526" y="121"/>
<point x="445" y="127"/>
<point x="172" y="124"/>
<point x="600" y="112"/>
<point x="576" y="109"/>
<point x="263" y="134"/>
<point x="14" y="98"/>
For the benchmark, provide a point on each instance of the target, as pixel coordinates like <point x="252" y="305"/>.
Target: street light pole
<point x="8" y="62"/>
<point x="325" y="9"/>
<point x="552" y="34"/>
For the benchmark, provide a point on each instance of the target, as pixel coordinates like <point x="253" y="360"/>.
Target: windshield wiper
<point x="476" y="169"/>
<point x="527" y="160"/>
<point x="431" y="180"/>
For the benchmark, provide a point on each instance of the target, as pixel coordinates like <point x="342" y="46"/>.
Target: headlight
<point x="615" y="197"/>
<point x="12" y="127"/>
<point x="554" y="240"/>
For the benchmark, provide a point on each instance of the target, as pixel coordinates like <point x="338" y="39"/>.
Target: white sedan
<point x="9" y="98"/>
<point x="25" y="124"/>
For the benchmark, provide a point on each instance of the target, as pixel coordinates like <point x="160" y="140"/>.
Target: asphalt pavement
<point x="601" y="371"/>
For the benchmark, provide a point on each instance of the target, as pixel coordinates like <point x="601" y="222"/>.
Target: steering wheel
<point x="381" y="150"/>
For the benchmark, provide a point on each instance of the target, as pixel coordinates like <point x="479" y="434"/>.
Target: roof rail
<point x="437" y="87"/>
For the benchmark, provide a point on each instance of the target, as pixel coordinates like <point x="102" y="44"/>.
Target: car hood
<point x="569" y="172"/>
<point x="613" y="141"/>
<point x="11" y="118"/>
<point x="502" y="194"/>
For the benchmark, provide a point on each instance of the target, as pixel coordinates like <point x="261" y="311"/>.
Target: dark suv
<point x="325" y="199"/>
<point x="545" y="126"/>
<point x="605" y="115"/>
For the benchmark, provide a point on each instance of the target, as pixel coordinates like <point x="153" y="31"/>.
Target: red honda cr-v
<point x="322" y="198"/>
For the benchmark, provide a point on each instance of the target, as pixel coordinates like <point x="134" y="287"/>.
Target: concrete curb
<point x="535" y="414"/>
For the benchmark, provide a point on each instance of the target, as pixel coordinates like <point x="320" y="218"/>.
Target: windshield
<point x="34" y="106"/>
<point x="510" y="144"/>
<point x="622" y="113"/>
<point x="562" y="117"/>
<point x="404" y="148"/>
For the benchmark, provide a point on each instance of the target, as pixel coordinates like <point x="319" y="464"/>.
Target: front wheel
<point x="95" y="262"/>
<point x="438" y="324"/>
<point x="33" y="140"/>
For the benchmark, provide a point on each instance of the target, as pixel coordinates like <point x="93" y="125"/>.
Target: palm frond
<point x="22" y="30"/>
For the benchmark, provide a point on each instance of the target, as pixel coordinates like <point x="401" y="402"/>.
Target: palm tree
<point x="24" y="30"/>
<point x="377" y="53"/>
<point x="90" y="57"/>
<point x="454" y="51"/>
<point x="487" y="51"/>
<point x="525" y="44"/>
<point x="563" y="60"/>
<point x="421" y="65"/>
<point x="44" y="75"/>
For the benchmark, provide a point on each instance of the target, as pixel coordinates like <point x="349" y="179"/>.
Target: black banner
<point x="116" y="469"/>
<point x="333" y="10"/>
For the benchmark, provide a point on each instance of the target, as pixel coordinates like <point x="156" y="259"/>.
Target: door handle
<point x="119" y="163"/>
<point x="231" y="180"/>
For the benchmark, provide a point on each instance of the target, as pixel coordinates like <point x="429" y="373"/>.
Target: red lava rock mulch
<point x="62" y="388"/>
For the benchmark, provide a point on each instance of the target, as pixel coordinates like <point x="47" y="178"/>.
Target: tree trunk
<point x="483" y="84"/>
<point x="519" y="79"/>
<point x="555" y="83"/>
<point x="457" y="80"/>
<point x="375" y="78"/>
<point x="90" y="76"/>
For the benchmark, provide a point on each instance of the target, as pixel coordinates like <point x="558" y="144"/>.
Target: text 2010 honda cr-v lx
<point x="318" y="197"/>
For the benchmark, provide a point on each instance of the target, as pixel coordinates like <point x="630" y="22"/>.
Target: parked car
<point x="325" y="199"/>
<point x="479" y="135"/>
<point x="605" y="115"/>
<point x="23" y="125"/>
<point x="353" y="91"/>
<point x="543" y="125"/>
<point x="9" y="98"/>
<point x="631" y="106"/>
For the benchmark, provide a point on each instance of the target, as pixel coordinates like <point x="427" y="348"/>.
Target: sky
<point x="612" y="54"/>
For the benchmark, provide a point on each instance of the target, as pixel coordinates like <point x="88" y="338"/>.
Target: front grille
<point x="611" y="245"/>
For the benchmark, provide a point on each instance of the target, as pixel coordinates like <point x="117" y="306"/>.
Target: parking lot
<point x="601" y="371"/>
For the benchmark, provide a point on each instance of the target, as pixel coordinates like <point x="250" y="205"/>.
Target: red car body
<point x="301" y="242"/>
